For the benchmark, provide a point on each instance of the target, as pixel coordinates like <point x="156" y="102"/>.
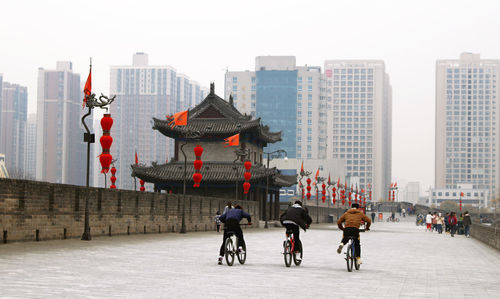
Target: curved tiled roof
<point x="214" y="117"/>
<point x="213" y="172"/>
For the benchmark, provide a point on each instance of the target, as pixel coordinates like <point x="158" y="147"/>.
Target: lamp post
<point x="91" y="102"/>
<point x="276" y="154"/>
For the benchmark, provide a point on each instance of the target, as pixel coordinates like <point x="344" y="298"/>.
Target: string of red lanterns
<point x="106" y="140"/>
<point x="323" y="192"/>
<point x="142" y="186"/>
<point x="247" y="175"/>
<point x="113" y="178"/>
<point x="308" y="189"/>
<point x="198" y="163"/>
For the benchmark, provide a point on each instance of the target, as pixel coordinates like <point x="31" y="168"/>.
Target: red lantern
<point x="198" y="164"/>
<point x="142" y="188"/>
<point x="198" y="151"/>
<point x="334" y="200"/>
<point x="106" y="122"/>
<point x="308" y="196"/>
<point x="308" y="181"/>
<point x="142" y="185"/>
<point x="246" y="187"/>
<point x="106" y="141"/>
<point x="248" y="165"/>
<point x="323" y="198"/>
<point x="334" y="189"/>
<point x="113" y="170"/>
<point x="343" y="202"/>
<point x="247" y="175"/>
<point x="349" y="202"/>
<point x="197" y="179"/>
<point x="308" y="188"/>
<point x="112" y="187"/>
<point x="141" y="182"/>
<point x="105" y="160"/>
<point x="113" y="179"/>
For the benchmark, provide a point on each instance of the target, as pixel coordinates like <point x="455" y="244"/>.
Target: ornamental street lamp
<point x="188" y="134"/>
<point x="90" y="101"/>
<point x="240" y="153"/>
<point x="318" y="181"/>
<point x="270" y="156"/>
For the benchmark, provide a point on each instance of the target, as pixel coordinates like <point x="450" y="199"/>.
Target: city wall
<point x="36" y="211"/>
<point x="486" y="234"/>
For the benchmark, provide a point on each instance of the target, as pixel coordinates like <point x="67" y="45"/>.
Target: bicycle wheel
<point x="349" y="258"/>
<point x="287" y="253"/>
<point x="229" y="251"/>
<point x="242" y="256"/>
<point x="297" y="262"/>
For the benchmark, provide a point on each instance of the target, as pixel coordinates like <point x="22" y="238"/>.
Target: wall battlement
<point x="35" y="211"/>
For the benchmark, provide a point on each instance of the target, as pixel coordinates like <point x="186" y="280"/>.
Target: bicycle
<point x="289" y="250"/>
<point x="230" y="249"/>
<point x="390" y="219"/>
<point x="350" y="254"/>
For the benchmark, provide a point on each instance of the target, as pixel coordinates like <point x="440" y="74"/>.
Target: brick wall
<point x="486" y="234"/>
<point x="32" y="210"/>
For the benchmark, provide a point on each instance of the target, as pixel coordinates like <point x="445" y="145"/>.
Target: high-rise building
<point x="359" y="97"/>
<point x="13" y="127"/>
<point x="467" y="131"/>
<point x="30" y="156"/>
<point x="61" y="152"/>
<point x="144" y="91"/>
<point x="286" y="97"/>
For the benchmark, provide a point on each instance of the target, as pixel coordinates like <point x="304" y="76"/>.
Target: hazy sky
<point x="203" y="38"/>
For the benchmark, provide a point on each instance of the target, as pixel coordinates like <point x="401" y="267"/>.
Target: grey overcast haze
<point x="204" y="38"/>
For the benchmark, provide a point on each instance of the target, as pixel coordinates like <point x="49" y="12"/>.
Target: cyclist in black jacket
<point x="294" y="217"/>
<point x="231" y="220"/>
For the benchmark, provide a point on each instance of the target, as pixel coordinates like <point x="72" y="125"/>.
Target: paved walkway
<point x="400" y="261"/>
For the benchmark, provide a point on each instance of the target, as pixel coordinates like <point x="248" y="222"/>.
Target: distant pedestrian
<point x="428" y="222"/>
<point x="467" y="224"/>
<point x="217" y="221"/>
<point x="446" y="223"/>
<point x="373" y="216"/>
<point x="403" y="211"/>
<point x="228" y="206"/>
<point x="439" y="223"/>
<point x="452" y="221"/>
<point x="434" y="221"/>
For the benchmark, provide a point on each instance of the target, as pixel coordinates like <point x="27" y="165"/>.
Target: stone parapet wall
<point x="486" y="234"/>
<point x="31" y="211"/>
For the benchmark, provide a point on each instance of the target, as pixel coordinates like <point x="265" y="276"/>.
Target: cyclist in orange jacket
<point x="353" y="218"/>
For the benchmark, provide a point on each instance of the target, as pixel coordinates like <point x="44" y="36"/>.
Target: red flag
<point x="338" y="183"/>
<point x="329" y="181"/>
<point x="136" y="159"/>
<point x="302" y="167"/>
<point x="461" y="194"/>
<point x="317" y="174"/>
<point x="232" y="140"/>
<point x="87" y="90"/>
<point x="395" y="184"/>
<point x="178" y="119"/>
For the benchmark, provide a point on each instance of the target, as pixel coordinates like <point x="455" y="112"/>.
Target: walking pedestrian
<point x="428" y="221"/>
<point x="446" y="223"/>
<point x="403" y="211"/>
<point x="434" y="221"/>
<point x="373" y="216"/>
<point x="452" y="220"/>
<point x="217" y="221"/>
<point x="439" y="223"/>
<point x="467" y="224"/>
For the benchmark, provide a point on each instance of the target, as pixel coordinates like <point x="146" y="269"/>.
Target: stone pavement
<point x="400" y="261"/>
